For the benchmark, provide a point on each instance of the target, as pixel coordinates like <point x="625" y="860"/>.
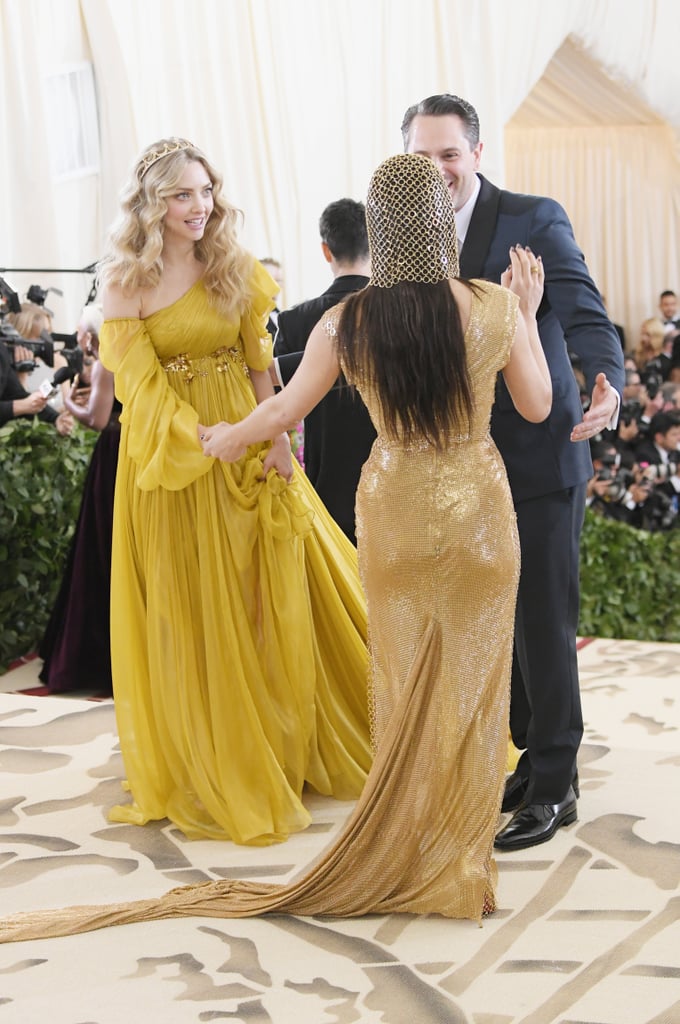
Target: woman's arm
<point x="262" y="385"/>
<point x="279" y="456"/>
<point x="97" y="412"/>
<point x="526" y="373"/>
<point x="314" y="378"/>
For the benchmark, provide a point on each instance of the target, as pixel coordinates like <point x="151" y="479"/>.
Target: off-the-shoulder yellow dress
<point x="238" y="622"/>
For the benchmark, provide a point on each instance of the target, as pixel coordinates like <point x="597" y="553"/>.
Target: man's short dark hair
<point x="342" y="226"/>
<point x="440" y="105"/>
<point x="662" y="422"/>
<point x="601" y="450"/>
<point x="667" y="294"/>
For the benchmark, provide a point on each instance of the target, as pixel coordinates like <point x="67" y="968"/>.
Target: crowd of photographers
<point x="637" y="466"/>
<point x="27" y="346"/>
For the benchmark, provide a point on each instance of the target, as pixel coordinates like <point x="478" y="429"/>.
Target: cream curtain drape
<point x="591" y="141"/>
<point x="622" y="192"/>
<point x="297" y="101"/>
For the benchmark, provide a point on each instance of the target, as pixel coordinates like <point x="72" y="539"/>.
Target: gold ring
<point x="534" y="270"/>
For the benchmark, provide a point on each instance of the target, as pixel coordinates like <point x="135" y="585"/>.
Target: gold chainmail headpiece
<point x="165" y="148"/>
<point x="411" y="223"/>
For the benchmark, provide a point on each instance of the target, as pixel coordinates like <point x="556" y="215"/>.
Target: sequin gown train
<point x="439" y="559"/>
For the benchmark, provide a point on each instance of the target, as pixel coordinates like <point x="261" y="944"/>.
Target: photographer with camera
<point x="624" y="492"/>
<point x="17" y="403"/>
<point x="659" y="457"/>
<point x="650" y="402"/>
<point x="615" y="490"/>
<point x="18" y="354"/>
<point x="660" y="511"/>
<point x="637" y="409"/>
<point x="653" y="495"/>
<point x="29" y="328"/>
<point x="627" y="435"/>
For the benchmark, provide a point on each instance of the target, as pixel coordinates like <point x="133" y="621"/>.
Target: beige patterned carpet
<point x="588" y="930"/>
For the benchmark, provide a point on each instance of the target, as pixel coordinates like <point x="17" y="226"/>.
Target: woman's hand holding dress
<point x="280" y="458"/>
<point x="221" y="441"/>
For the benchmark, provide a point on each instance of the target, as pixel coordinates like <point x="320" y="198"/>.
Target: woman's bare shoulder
<point x="118" y="302"/>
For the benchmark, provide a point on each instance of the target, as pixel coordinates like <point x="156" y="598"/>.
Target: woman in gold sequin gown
<point x="439" y="562"/>
<point x="238" y="622"/>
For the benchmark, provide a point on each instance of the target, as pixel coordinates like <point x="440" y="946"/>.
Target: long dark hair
<point x="407" y="342"/>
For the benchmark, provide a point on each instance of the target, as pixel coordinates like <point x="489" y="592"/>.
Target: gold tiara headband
<point x="157" y="154"/>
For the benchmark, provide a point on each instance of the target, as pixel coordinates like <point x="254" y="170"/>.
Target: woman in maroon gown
<point x="76" y="646"/>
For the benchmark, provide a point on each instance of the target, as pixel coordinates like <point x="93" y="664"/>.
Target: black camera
<point x="37" y="295"/>
<point x="620" y="485"/>
<point x="660" y="513"/>
<point x="619" y="479"/>
<point x="652" y="379"/>
<point x="42" y="348"/>
<point x="661" y="472"/>
<point x="630" y="411"/>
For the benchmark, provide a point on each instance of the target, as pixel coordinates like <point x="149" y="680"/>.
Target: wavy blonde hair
<point x="134" y="257"/>
<point x="646" y="350"/>
<point x="30" y="321"/>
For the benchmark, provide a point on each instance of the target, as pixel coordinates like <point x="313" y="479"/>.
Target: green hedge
<point x="41" y="482"/>
<point x="630" y="579"/>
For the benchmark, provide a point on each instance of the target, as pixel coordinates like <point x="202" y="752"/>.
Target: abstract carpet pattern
<point x="588" y="930"/>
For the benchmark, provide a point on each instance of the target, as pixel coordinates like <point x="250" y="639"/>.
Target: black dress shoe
<point x="532" y="824"/>
<point x="514" y="792"/>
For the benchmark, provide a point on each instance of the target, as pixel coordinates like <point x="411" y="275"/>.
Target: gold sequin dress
<point x="440" y="565"/>
<point x="238" y="622"/>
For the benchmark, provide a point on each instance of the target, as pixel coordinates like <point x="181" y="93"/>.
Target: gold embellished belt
<point x="225" y="358"/>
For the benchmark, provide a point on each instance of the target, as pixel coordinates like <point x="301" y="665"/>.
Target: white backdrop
<point x="297" y="101"/>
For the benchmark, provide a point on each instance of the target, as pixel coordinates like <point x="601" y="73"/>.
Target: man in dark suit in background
<point x="338" y="433"/>
<point x="669" y="314"/>
<point x="548" y="463"/>
<point x="660" y="447"/>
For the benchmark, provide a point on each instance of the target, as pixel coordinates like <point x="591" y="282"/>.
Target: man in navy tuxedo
<point x="548" y="463"/>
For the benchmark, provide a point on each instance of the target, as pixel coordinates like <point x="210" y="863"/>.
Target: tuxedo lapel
<point x="481" y="230"/>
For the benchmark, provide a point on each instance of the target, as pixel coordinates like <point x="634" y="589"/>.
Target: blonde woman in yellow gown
<point x="238" y="622"/>
<point x="439" y="560"/>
